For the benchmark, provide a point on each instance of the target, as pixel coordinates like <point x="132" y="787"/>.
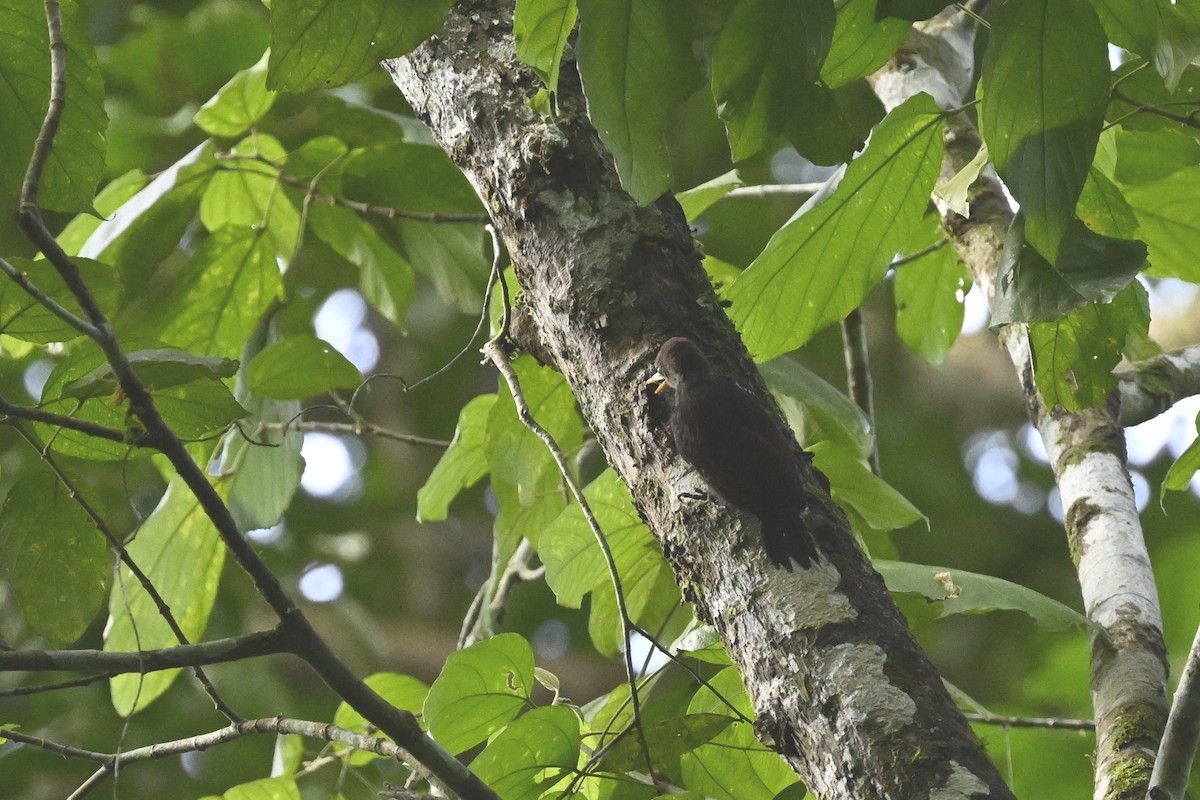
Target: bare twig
<point x="358" y="428"/>
<point x="1054" y="723"/>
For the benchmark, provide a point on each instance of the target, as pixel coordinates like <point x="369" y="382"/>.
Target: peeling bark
<point x="840" y="686"/>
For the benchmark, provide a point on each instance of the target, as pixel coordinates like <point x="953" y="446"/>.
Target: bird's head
<point x="678" y="359"/>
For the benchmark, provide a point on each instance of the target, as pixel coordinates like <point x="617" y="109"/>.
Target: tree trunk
<point x="840" y="686"/>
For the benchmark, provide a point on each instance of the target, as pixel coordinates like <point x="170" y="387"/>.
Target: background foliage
<point x="273" y="226"/>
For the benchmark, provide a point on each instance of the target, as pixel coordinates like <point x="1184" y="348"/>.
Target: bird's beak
<point x="658" y="381"/>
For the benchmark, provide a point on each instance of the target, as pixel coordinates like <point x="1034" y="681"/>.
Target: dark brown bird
<point x="737" y="448"/>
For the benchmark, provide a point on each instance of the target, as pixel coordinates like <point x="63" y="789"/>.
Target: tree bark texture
<point x="1086" y="448"/>
<point x="841" y="688"/>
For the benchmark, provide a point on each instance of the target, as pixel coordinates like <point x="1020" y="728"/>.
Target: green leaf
<point x="954" y="591"/>
<point x="24" y="318"/>
<point x="114" y="195"/>
<point x="198" y="408"/>
<point x="54" y="559"/>
<point x="228" y="283"/>
<point x="1104" y="209"/>
<point x="861" y="43"/>
<point x="463" y="463"/>
<point x="320" y="44"/>
<point x="697" y="200"/>
<point x="423" y="179"/>
<point x="179" y="550"/>
<point x="541" y="28"/>
<point x="575" y="566"/>
<point x="281" y="788"/>
<point x="929" y="297"/>
<point x="157" y="367"/>
<point x="816" y="410"/>
<point x="247" y="193"/>
<point x="76" y="162"/>
<point x="734" y="765"/>
<point x="1091" y="268"/>
<point x="1169" y="222"/>
<point x="636" y="63"/>
<point x="853" y="485"/>
<point x="667" y="741"/>
<point x="480" y="690"/>
<point x="956" y="192"/>
<point x="385" y="278"/>
<point x="515" y="454"/>
<point x="1145" y="156"/>
<point x="402" y="691"/>
<point x="1043" y="108"/>
<point x="821" y="265"/>
<point x="1179" y="476"/>
<point x="1073" y="358"/>
<point x="149" y="226"/>
<point x="911" y="10"/>
<point x="299" y="367"/>
<point x="263" y="469"/>
<point x="531" y="754"/>
<point x="239" y="104"/>
<point x="767" y="52"/>
<point x="1131" y="24"/>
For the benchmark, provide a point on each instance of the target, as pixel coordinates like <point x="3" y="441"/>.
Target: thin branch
<point x="496" y="353"/>
<point x="46" y="688"/>
<point x="1054" y="723"/>
<point x="1177" y="750"/>
<point x="776" y="189"/>
<point x="924" y="251"/>
<point x="18" y="277"/>
<point x="858" y="375"/>
<point x="358" y="428"/>
<point x="1150" y="387"/>
<point x="402" y="726"/>
<point x="217" y="651"/>
<point x="363" y="208"/>
<point x="680" y="662"/>
<point x="1188" y="120"/>
<point x="58" y="420"/>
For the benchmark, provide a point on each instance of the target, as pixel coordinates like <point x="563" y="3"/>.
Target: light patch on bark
<point x="864" y="691"/>
<point x="960" y="783"/>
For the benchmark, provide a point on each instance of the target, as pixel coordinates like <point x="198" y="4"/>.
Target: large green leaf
<point x="279" y="788"/>
<point x="955" y="591"/>
<point x="463" y="463"/>
<point x="667" y="740"/>
<point x="635" y="59"/>
<point x="531" y="754"/>
<point x="76" y="163"/>
<point x="247" y="193"/>
<point x="179" y="550"/>
<point x="149" y="226"/>
<point x="855" y="487"/>
<point x="861" y="43"/>
<point x="929" y="294"/>
<point x="515" y="454"/>
<point x="114" y="195"/>
<point x="157" y="367"/>
<point x="24" y="318"/>
<point x="1131" y="24"/>
<point x="228" y="283"/>
<point x="541" y="28"/>
<point x="821" y="265"/>
<point x="402" y="691"/>
<point x="480" y="690"/>
<point x="1169" y="222"/>
<point x="1045" y="89"/>
<point x="1179" y="476"/>
<point x="385" y="279"/>
<point x="734" y="765"/>
<point x="320" y="44"/>
<point x="816" y="410"/>
<point x="1073" y="358"/>
<point x="767" y="53"/>
<point x="240" y="103"/>
<point x="55" y="560"/>
<point x="298" y="367"/>
<point x="575" y="565"/>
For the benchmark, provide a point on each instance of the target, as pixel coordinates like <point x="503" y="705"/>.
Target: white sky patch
<point x="327" y="464"/>
<point x="340" y="321"/>
<point x="639" y="648"/>
<point x="975" y="312"/>
<point x="322" y="583"/>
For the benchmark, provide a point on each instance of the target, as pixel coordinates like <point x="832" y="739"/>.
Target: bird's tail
<point x="786" y="539"/>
